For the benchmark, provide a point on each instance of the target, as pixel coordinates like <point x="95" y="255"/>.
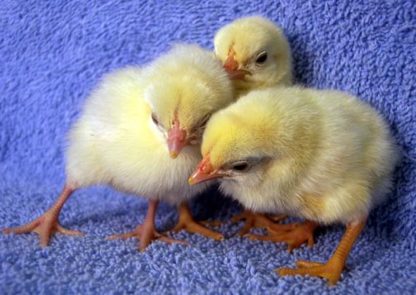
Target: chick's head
<point x="255" y="53"/>
<point x="239" y="143"/>
<point x="186" y="86"/>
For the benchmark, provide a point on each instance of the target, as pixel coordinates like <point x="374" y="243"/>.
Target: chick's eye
<point x="240" y="166"/>
<point x="154" y="119"/>
<point x="261" y="58"/>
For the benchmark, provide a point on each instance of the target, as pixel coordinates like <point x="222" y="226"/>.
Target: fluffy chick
<point x="321" y="155"/>
<point x="131" y="128"/>
<point x="255" y="53"/>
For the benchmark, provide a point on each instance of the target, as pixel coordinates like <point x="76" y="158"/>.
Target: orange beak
<point x="176" y="139"/>
<point x="203" y="172"/>
<point x="232" y="67"/>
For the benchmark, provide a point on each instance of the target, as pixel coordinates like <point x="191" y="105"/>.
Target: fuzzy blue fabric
<point x="52" y="54"/>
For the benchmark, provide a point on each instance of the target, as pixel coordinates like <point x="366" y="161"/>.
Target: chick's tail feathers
<point x="47" y="224"/>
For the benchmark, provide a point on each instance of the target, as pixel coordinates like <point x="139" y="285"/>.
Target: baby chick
<point x="139" y="132"/>
<point x="321" y="155"/>
<point x="255" y="53"/>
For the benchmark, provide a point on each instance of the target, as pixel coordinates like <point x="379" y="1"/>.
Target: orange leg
<point x="253" y="220"/>
<point x="186" y="222"/>
<point x="333" y="268"/>
<point x="48" y="223"/>
<point x="146" y="232"/>
<point x="294" y="234"/>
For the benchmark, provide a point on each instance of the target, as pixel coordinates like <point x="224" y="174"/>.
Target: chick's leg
<point x="186" y="222"/>
<point x="333" y="268"/>
<point x="146" y="232"/>
<point x="253" y="220"/>
<point x="294" y="234"/>
<point x="48" y="223"/>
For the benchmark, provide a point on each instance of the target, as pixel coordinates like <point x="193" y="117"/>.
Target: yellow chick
<point x="140" y="132"/>
<point x="321" y="155"/>
<point x="255" y="53"/>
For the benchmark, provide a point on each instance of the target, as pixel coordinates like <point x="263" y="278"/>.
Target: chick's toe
<point x="333" y="268"/>
<point x="146" y="232"/>
<point x="186" y="222"/>
<point x="47" y="224"/>
<point x="255" y="220"/>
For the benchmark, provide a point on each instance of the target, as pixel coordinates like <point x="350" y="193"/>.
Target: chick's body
<point x="256" y="54"/>
<point x="139" y="132"/>
<point x="320" y="155"/>
<point x="333" y="158"/>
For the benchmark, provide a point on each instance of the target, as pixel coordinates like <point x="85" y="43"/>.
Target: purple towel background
<point x="52" y="54"/>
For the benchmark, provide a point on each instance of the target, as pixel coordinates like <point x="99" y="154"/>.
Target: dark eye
<point x="261" y="58"/>
<point x="240" y="166"/>
<point x="154" y="119"/>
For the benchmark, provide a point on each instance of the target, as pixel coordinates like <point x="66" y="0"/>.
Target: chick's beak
<point x="203" y="172"/>
<point x="232" y="68"/>
<point x="176" y="139"/>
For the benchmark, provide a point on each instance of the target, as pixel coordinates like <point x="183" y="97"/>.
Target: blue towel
<point x="52" y="54"/>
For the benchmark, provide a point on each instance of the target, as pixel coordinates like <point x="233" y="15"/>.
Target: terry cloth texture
<point x="52" y="54"/>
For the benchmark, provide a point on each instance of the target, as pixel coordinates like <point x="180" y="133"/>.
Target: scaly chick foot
<point x="45" y="226"/>
<point x="146" y="232"/>
<point x="194" y="227"/>
<point x="330" y="271"/>
<point x="294" y="235"/>
<point x="145" y="237"/>
<point x="186" y="222"/>
<point x="253" y="220"/>
<point x="333" y="268"/>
